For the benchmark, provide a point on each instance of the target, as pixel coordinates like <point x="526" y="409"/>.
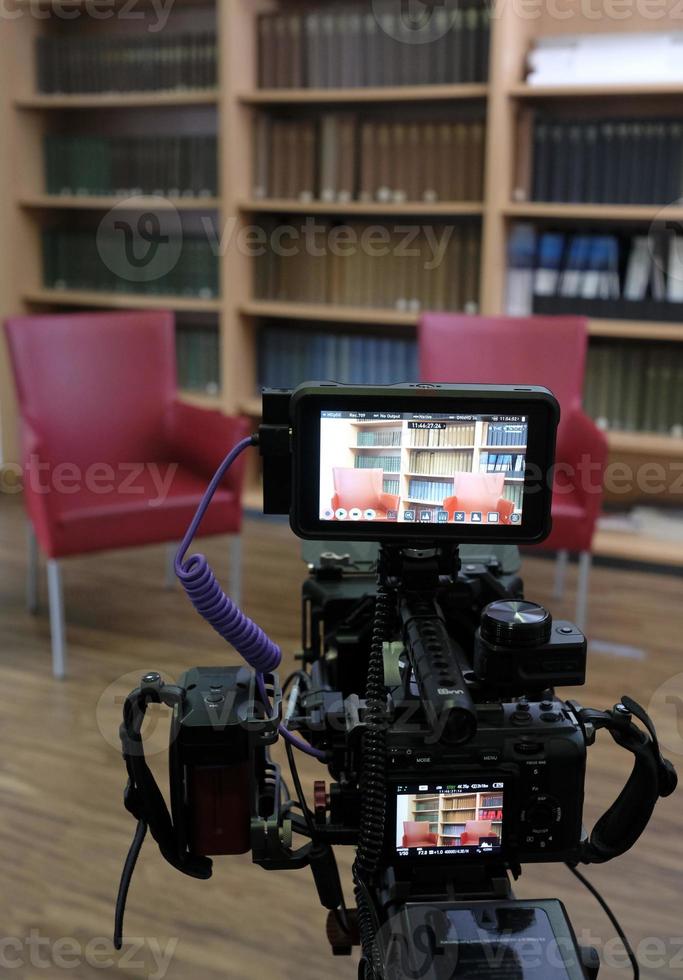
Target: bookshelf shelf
<point x="418" y="208"/>
<point x="85" y="203"/>
<point x="328" y="313"/>
<point x="388" y="93"/>
<point x="534" y="92"/>
<point x="120" y="100"/>
<point x="121" y="301"/>
<point x="646" y="443"/>
<point x="201" y="399"/>
<point x="591" y="212"/>
<point x="636" y="330"/>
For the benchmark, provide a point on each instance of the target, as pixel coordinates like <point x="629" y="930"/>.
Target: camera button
<point x="490" y="756"/>
<point x="551" y="716"/>
<point x="529" y="748"/>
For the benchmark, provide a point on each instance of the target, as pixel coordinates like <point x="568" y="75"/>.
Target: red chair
<point x="548" y="351"/>
<point x="481" y="493"/>
<point x="362" y="489"/>
<point x="111" y="457"/>
<point x="415" y="835"/>
<point x="478" y="831"/>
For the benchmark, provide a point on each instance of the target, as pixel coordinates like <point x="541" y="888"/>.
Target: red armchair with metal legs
<point x="362" y="490"/>
<point x="415" y="835"/>
<point x="548" y="351"/>
<point x="477" y="832"/>
<point x="479" y="493"/>
<point x="111" y="457"/>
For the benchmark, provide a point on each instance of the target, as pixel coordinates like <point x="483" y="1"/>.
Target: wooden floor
<point x="63" y="832"/>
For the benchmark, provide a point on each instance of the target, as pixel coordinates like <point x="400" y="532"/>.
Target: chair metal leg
<point x="561" y="563"/>
<point x="585" y="563"/>
<point x="170" y="575"/>
<point x="236" y="568"/>
<point x="31" y="569"/>
<point x="57" y="626"/>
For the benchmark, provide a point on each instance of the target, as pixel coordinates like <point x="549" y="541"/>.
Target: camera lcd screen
<point x="450" y="819"/>
<point x="422" y="468"/>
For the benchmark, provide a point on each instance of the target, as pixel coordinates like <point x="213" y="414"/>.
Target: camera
<point x="426" y="688"/>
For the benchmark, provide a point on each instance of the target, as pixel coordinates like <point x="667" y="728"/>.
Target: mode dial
<point x="516" y="623"/>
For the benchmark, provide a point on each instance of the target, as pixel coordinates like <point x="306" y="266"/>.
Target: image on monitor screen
<point x="418" y="468"/>
<point x="456" y="819"/>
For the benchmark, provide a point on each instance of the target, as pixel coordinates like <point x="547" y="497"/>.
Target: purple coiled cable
<point x="218" y="609"/>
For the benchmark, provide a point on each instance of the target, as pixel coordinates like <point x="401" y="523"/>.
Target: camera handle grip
<point x="652" y="777"/>
<point x="143" y="798"/>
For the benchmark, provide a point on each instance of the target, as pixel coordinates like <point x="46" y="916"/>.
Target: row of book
<point x="344" y="46"/>
<point x="622" y="274"/>
<point x="627" y="58"/>
<point x="515" y="493"/>
<point x="197" y="354"/>
<point x="287" y="356"/>
<point x="439" y="464"/>
<point x="80" y="260"/>
<point x="122" y="63"/>
<point x="503" y="434"/>
<point x="338" y="158"/>
<point x="407" y="267"/>
<point x="510" y="463"/>
<point x="367" y="438"/>
<point x="635" y="387"/>
<point x="390" y="464"/>
<point x="431" y="491"/>
<point x="455" y="435"/>
<point x="172" y="166"/>
<point x="391" y="486"/>
<point x="608" y="161"/>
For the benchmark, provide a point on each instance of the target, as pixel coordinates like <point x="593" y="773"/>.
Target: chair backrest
<point x="536" y="350"/>
<point x="95" y="386"/>
<point x="479" y="828"/>
<point x="478" y="491"/>
<point x="416" y="830"/>
<point x="357" y="488"/>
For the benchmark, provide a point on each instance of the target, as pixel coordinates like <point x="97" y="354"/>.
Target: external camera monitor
<point x="471" y="463"/>
<point x="458" y="819"/>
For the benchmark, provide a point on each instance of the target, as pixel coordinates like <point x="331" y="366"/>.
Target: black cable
<point x="612" y="918"/>
<point x="308" y="816"/>
<point x="124" y="885"/>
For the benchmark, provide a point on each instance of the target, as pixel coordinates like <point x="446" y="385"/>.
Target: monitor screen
<point x="450" y="819"/>
<point x="423" y="468"/>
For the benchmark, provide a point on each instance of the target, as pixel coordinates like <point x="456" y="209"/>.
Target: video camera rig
<point x="426" y="687"/>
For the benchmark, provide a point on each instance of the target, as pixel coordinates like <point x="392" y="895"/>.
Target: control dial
<point x="516" y="623"/>
<point x="542" y="814"/>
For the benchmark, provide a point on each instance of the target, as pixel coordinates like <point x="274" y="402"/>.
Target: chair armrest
<point x="335" y="502"/>
<point x="506" y="509"/>
<point x="201" y="438"/>
<point x="582" y="455"/>
<point x="450" y="504"/>
<point x="389" y="501"/>
<point x="41" y="502"/>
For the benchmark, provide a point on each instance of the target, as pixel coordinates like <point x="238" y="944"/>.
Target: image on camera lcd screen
<point x="455" y="819"/>
<point x="412" y="468"/>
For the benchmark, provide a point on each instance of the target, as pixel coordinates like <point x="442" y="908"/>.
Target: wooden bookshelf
<point x="46" y="202"/>
<point x="119" y="100"/>
<point x="327" y="313"/>
<point x="439" y="209"/>
<point x="120" y="301"/>
<point x="595" y="213"/>
<point x="389" y="93"/>
<point x="596" y="92"/>
<point x="26" y="116"/>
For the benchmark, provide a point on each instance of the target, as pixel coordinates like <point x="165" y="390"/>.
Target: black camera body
<point x="426" y="686"/>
